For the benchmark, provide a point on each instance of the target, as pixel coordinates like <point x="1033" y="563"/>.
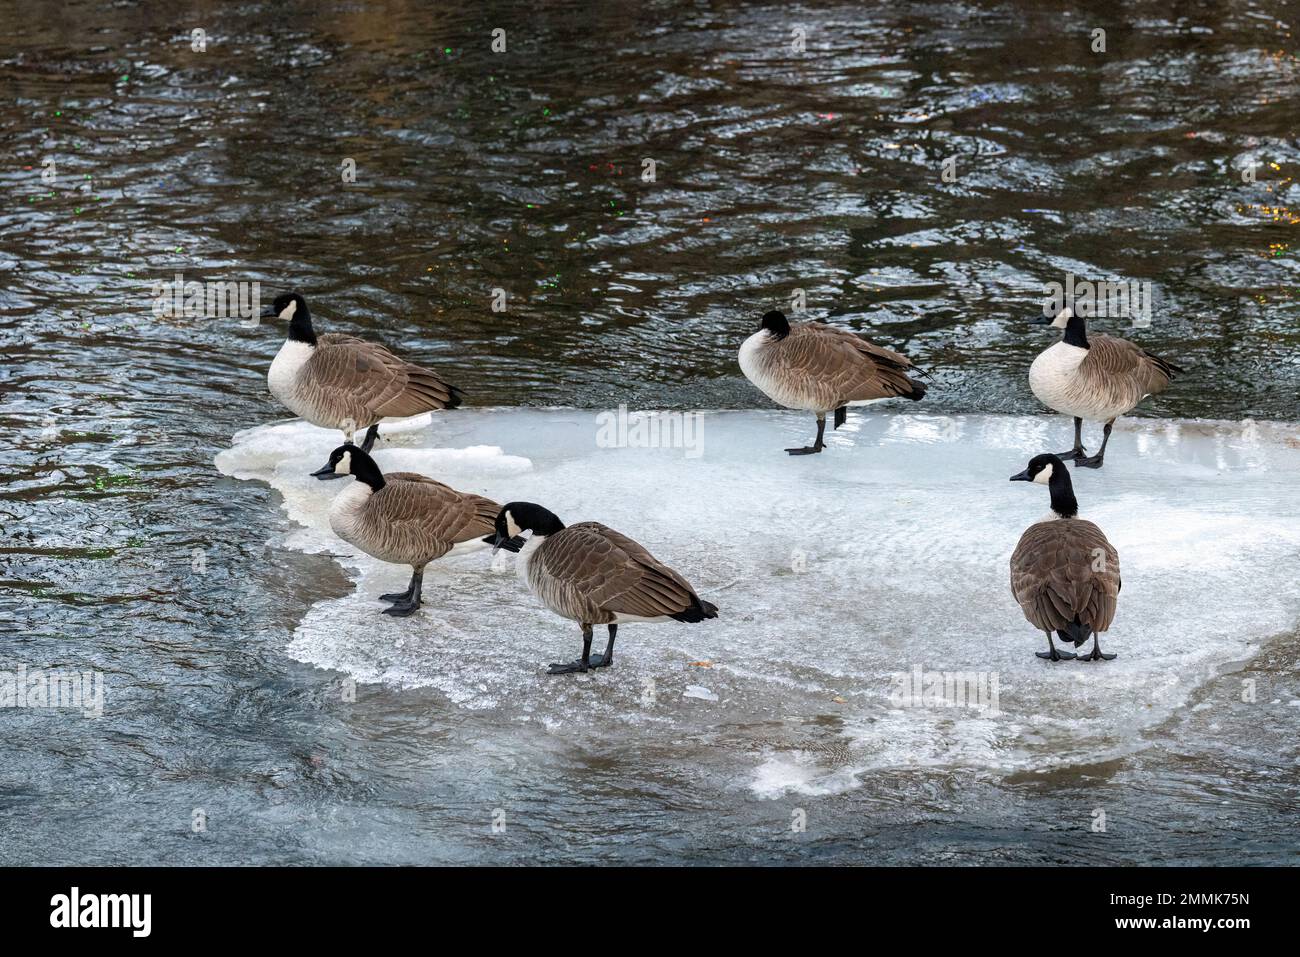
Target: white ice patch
<point x="700" y="692"/>
<point x="832" y="574"/>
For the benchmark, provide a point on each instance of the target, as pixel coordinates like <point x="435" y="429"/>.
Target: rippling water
<point x="774" y="171"/>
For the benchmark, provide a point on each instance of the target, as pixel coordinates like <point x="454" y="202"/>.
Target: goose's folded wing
<point x="1124" y="369"/>
<point x="371" y="376"/>
<point x="465" y="516"/>
<point x="416" y="389"/>
<point x="854" y="367"/>
<point x="615" y="574"/>
<point x="425" y="513"/>
<point x="350" y="375"/>
<point x="1062" y="569"/>
<point x="481" y="517"/>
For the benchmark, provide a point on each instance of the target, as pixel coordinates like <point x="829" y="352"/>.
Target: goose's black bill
<point x="268" y="312"/>
<point x="498" y="541"/>
<point x="1021" y="476"/>
<point x="1040" y="321"/>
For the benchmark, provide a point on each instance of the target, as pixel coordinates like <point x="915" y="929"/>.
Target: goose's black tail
<point x="697" y="612"/>
<point x="1075" y="632"/>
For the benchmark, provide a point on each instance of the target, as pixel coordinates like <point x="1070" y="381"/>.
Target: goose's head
<point x="1076" y="330"/>
<point x="292" y="308"/>
<point x="1040" y="470"/>
<point x="350" y="460"/>
<point x="776" y="324"/>
<point x="516" y="518"/>
<point x="1061" y="320"/>
<point x="1050" y="471"/>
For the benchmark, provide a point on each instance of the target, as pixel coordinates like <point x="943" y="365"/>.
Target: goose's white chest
<point x="348" y="515"/>
<point x="524" y="556"/>
<point x="282" y="377"/>
<point x="1054" y="378"/>
<point x="766" y="371"/>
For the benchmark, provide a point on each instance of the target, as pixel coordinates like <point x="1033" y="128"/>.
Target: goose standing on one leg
<point x="341" y="382"/>
<point x="595" y="576"/>
<point x="1097" y="379"/>
<point x="1064" y="573"/>
<point x="407" y="519"/>
<point x="815" y="367"/>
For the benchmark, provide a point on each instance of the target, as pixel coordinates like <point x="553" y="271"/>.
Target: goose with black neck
<point x="593" y="575"/>
<point x="820" y="369"/>
<point x="1064" y="571"/>
<point x="1097" y="378"/>
<point x="407" y="519"/>
<point x="341" y="382"/>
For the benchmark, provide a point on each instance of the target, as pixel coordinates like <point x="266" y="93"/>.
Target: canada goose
<point x="341" y="382"/>
<point x="407" y="519"/>
<point x="1097" y="379"/>
<point x="815" y="367"/>
<point x="1064" y="572"/>
<point x="595" y="576"/>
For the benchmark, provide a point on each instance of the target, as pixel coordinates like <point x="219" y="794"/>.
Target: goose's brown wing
<point x="1062" y="569"/>
<point x="429" y="515"/>
<point x="851" y="367"/>
<point x="611" y="574"/>
<point x="1124" y="371"/>
<point x="369" y="383"/>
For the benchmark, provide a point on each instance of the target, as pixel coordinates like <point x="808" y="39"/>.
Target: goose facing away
<point x="1098" y="379"/>
<point x="407" y="519"/>
<point x="820" y="369"/>
<point x="594" y="575"/>
<point x="342" y="382"/>
<point x="1064" y="573"/>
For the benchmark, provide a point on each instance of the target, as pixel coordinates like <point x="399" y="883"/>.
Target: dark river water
<point x="524" y="173"/>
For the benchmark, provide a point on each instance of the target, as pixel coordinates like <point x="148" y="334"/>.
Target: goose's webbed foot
<point x="578" y="666"/>
<point x="1096" y="654"/>
<point x="818" y="444"/>
<point x="402" y="609"/>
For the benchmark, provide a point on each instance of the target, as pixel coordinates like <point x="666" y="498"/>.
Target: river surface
<point x="227" y="736"/>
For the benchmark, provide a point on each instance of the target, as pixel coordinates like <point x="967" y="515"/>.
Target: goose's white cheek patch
<point x="344" y="466"/>
<point x="511" y="526"/>
<point x="1045" y="476"/>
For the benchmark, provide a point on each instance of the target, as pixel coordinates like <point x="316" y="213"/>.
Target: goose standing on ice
<point x="1064" y="573"/>
<point x="820" y="369"/>
<point x="595" y="576"/>
<point x="1097" y="379"/>
<point x="407" y="519"/>
<point x="341" y="382"/>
